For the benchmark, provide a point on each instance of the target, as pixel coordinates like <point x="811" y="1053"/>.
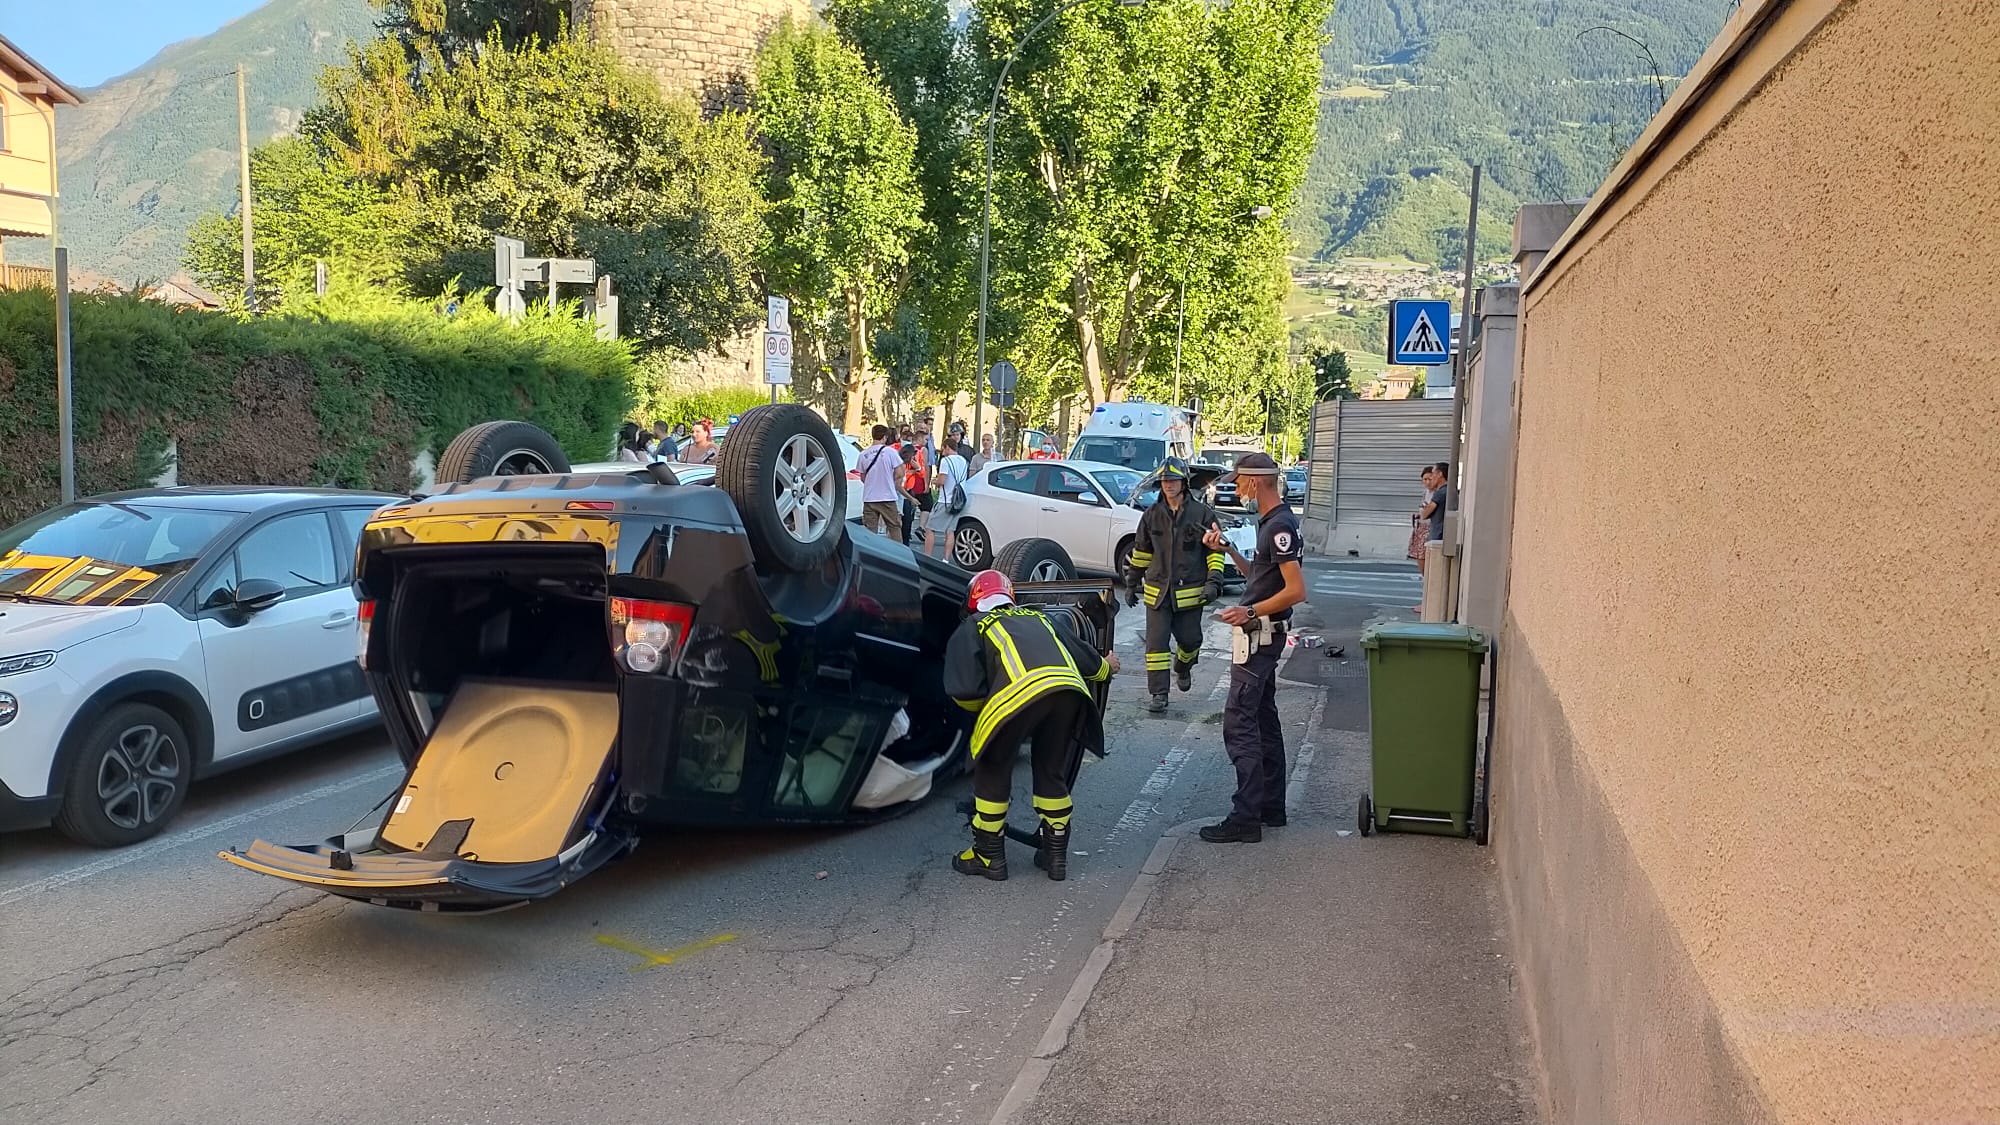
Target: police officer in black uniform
<point x="1275" y="584"/>
<point x="1176" y="574"/>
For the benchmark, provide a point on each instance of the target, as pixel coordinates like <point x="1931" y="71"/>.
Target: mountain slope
<point x="150" y="151"/>
<point x="1536" y="91"/>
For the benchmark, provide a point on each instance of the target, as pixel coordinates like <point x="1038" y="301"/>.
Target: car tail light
<point x="589" y="506"/>
<point x="364" y="617"/>
<point x="647" y="636"/>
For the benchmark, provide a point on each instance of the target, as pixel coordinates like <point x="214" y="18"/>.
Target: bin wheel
<point x="1367" y="818"/>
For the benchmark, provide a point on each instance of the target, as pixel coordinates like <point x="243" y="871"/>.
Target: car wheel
<point x="129" y="778"/>
<point x="1121" y="560"/>
<point x="971" y="547"/>
<point x="784" y="469"/>
<point x="1035" y="560"/>
<point x="500" y="449"/>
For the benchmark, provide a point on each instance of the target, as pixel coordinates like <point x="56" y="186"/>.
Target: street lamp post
<point x="1180" y="327"/>
<point x="986" y="206"/>
<point x="59" y="286"/>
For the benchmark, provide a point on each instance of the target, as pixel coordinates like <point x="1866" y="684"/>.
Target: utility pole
<point x="243" y="148"/>
<point x="1458" y="360"/>
<point x="65" y="376"/>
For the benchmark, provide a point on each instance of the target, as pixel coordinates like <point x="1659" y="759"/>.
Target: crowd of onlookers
<point x="907" y="472"/>
<point x="684" y="444"/>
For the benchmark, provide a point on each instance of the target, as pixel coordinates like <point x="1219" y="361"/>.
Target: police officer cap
<point x="1252" y="465"/>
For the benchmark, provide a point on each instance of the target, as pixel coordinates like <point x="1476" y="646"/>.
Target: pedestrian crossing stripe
<point x="1423" y="338"/>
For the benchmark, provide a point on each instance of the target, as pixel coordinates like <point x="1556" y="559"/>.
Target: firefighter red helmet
<point x="985" y="584"/>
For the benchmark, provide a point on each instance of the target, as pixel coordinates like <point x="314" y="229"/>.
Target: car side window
<point x="352" y="520"/>
<point x="294" y="551"/>
<point x="216" y="585"/>
<point x="1067" y="484"/>
<point x="1016" y="478"/>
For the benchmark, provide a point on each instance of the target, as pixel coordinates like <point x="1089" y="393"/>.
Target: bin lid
<point x="1423" y="634"/>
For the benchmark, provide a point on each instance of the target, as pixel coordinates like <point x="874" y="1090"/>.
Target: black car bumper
<point x="17" y="812"/>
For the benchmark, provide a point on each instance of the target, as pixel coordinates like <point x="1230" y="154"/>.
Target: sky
<point x="85" y="42"/>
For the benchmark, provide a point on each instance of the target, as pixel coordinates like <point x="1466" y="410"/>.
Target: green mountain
<point x="150" y="151"/>
<point x="1544" y="94"/>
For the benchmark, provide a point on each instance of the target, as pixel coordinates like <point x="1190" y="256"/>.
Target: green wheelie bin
<point x="1423" y="726"/>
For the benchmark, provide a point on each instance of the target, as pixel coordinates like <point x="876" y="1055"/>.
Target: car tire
<point x="128" y="778"/>
<point x="1035" y="560"/>
<point x="500" y="449"/>
<point x="1121" y="559"/>
<point x="971" y="545"/>
<point x="786" y="472"/>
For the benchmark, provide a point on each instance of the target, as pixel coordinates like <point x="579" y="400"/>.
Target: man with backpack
<point x="950" y="501"/>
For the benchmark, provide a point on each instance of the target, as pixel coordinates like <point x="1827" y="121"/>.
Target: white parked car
<point x="1084" y="505"/>
<point x="149" y="638"/>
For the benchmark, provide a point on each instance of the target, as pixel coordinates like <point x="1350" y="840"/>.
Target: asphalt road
<point x="757" y="976"/>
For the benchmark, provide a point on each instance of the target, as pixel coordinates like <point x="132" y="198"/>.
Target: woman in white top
<point x="951" y="474"/>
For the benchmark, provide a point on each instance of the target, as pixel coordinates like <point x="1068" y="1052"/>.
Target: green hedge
<point x="342" y="391"/>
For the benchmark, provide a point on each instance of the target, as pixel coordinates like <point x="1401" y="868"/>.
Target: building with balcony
<point x="29" y="96"/>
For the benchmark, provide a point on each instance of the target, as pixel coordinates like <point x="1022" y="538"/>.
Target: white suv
<point x="149" y="638"/>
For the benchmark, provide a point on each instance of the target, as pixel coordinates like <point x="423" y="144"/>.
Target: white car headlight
<point x="26" y="662"/>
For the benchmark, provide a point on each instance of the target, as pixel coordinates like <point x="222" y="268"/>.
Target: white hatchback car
<point x="149" y="638"/>
<point x="1084" y="505"/>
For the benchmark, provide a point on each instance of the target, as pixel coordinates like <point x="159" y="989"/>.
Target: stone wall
<point x="707" y="48"/>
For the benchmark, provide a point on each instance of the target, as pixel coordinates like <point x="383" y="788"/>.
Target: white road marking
<point x="181" y="839"/>
<point x="1162" y="779"/>
<point x="1295" y="788"/>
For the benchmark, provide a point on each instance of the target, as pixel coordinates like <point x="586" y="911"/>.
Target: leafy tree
<point x="923" y="63"/>
<point x="461" y="27"/>
<point x="1136" y="146"/>
<point x="1417" y="386"/>
<point x="844" y="201"/>
<point x="552" y="143"/>
<point x="1331" y="377"/>
<point x="305" y="213"/>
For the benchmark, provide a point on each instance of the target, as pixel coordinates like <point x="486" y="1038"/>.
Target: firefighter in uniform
<point x="1176" y="574"/>
<point x="1028" y="678"/>
<point x="1274" y="584"/>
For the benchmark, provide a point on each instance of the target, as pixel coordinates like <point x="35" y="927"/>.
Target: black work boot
<point x="1158" y="704"/>
<point x="987" y="856"/>
<point x="1274" y="819"/>
<point x="1053" y="855"/>
<point x="1233" y="831"/>
<point x="1184" y="677"/>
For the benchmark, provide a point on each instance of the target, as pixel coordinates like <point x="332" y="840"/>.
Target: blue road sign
<point x="1420" y="332"/>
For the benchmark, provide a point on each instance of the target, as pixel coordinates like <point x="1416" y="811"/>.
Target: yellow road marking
<point x="655" y="958"/>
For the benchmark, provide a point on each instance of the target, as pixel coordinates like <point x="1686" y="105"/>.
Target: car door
<point x="1010" y="506"/>
<point x="1078" y="516"/>
<point x="350" y="521"/>
<point x="289" y="670"/>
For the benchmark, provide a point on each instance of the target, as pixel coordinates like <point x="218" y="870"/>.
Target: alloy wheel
<point x="1048" y="570"/>
<point x="521" y="463"/>
<point x="805" y="489"/>
<point x="968" y="548"/>
<point x="139" y="776"/>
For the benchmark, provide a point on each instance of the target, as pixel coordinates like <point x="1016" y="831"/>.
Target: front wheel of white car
<point x="128" y="779"/>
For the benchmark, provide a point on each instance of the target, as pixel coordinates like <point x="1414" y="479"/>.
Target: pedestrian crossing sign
<point x="1420" y="333"/>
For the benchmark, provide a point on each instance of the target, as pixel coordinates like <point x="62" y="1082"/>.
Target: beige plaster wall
<point x="1749" y="762"/>
<point x="705" y="47"/>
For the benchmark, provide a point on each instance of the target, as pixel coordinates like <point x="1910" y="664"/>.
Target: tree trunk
<point x="857" y="362"/>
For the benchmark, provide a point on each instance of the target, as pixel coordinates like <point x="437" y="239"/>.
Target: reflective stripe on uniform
<point x="1010" y="700"/>
<point x="1215" y="561"/>
<point x="989" y="816"/>
<point x="1055" y="811"/>
<point x="1141" y="559"/>
<point x="1156" y="661"/>
<point x="1188" y="598"/>
<point x="1188" y="655"/>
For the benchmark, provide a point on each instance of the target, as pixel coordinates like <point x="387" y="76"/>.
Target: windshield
<point x="1224" y="457"/>
<point x="1119" y="483"/>
<point x="1143" y="454"/>
<point x="1296" y="476"/>
<point x="103" y="554"/>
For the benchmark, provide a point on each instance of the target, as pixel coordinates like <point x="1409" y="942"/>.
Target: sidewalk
<point x="1317" y="977"/>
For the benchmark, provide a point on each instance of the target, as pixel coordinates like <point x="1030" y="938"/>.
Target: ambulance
<point x="1136" y="434"/>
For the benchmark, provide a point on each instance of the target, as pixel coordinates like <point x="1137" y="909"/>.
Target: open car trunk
<point x="504" y="672"/>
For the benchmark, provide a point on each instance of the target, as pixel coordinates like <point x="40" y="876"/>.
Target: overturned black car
<point x="563" y="658"/>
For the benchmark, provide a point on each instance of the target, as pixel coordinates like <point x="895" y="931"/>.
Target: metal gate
<point x="1366" y="456"/>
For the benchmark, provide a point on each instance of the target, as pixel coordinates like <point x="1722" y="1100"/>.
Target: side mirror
<point x="256" y="595"/>
<point x="1087" y="497"/>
